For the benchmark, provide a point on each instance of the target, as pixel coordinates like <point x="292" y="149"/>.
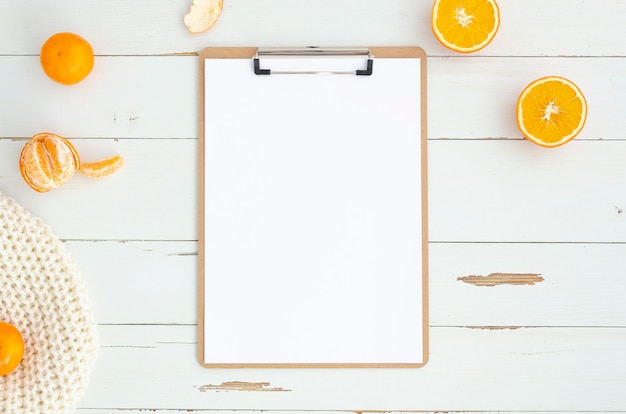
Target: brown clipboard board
<point x="251" y="54"/>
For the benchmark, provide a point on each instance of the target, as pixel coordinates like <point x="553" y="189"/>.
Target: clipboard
<point x="313" y="241"/>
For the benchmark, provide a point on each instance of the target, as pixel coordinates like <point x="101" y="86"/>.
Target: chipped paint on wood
<point x="494" y="279"/>
<point x="494" y="328"/>
<point x="242" y="386"/>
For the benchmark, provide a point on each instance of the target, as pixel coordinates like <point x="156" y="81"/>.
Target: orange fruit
<point x="47" y="161"/>
<point x="202" y="15"/>
<point x="465" y="25"/>
<point x="11" y="348"/>
<point x="551" y="111"/>
<point x="66" y="58"/>
<point x="102" y="169"/>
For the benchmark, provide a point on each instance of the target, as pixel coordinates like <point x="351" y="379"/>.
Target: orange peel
<point x="202" y="15"/>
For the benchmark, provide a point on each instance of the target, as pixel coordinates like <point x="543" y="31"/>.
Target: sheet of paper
<point x="313" y="221"/>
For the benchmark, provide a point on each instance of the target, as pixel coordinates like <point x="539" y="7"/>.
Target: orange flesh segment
<point x="104" y="168"/>
<point x="61" y="158"/>
<point x="37" y="166"/>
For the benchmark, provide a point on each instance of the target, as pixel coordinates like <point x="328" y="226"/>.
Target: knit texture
<point x="42" y="294"/>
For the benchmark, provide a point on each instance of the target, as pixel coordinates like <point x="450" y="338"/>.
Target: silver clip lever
<point x="313" y="52"/>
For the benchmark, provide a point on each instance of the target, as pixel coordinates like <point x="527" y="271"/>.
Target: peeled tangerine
<point x="202" y="15"/>
<point x="48" y="161"/>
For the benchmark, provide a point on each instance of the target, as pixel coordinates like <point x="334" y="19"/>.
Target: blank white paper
<point x="313" y="221"/>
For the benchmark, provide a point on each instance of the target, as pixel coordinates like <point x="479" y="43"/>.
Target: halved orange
<point x="103" y="168"/>
<point x="551" y="111"/>
<point x="47" y="161"/>
<point x="465" y="26"/>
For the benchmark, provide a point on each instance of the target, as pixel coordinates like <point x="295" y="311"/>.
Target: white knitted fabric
<point x="42" y="294"/>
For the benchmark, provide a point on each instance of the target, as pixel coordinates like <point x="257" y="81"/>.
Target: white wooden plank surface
<point x="140" y="282"/>
<point x="464" y="100"/>
<point x="583" y="284"/>
<point x="533" y="369"/>
<point x="129" y="97"/>
<point x="473" y="97"/>
<point x="153" y="197"/>
<point x="513" y="191"/>
<point x="498" y="204"/>
<point x="209" y="411"/>
<point x="175" y="411"/>
<point x="529" y="27"/>
<point x="479" y="191"/>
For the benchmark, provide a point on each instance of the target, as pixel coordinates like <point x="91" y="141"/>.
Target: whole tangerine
<point x="11" y="348"/>
<point x="66" y="58"/>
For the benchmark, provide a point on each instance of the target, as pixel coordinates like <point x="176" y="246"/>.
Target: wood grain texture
<point x="156" y="97"/>
<point x="479" y="191"/>
<point x="129" y="97"/>
<point x="153" y="197"/>
<point x="118" y="27"/>
<point x="539" y="361"/>
<point x="516" y="191"/>
<point x="154" y="282"/>
<point x="497" y="204"/>
<point x="209" y="411"/>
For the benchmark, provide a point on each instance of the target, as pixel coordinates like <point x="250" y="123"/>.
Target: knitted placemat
<point x="42" y="294"/>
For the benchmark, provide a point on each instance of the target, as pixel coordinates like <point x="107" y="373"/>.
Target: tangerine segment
<point x="202" y="15"/>
<point x="47" y="161"/>
<point x="11" y="348"/>
<point x="66" y="58"/>
<point x="551" y="111"/>
<point x="102" y="169"/>
<point x="465" y="25"/>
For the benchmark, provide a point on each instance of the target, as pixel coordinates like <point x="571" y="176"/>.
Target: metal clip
<point x="313" y="52"/>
